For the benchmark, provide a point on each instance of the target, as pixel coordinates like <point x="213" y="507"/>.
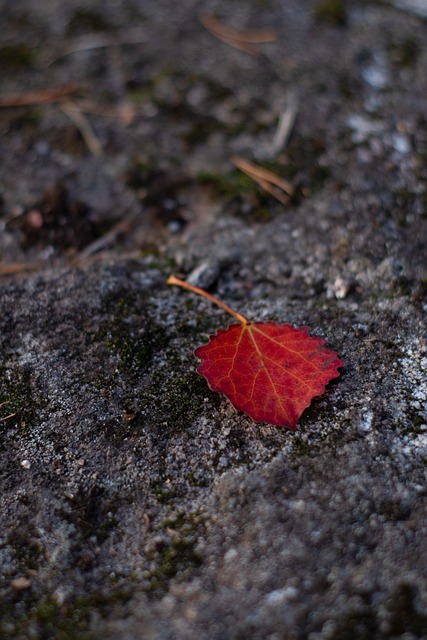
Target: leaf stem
<point x="205" y="294"/>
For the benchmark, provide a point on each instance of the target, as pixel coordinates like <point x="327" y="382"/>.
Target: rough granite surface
<point x="135" y="503"/>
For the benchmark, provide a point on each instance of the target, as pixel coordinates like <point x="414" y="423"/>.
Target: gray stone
<point x="135" y="502"/>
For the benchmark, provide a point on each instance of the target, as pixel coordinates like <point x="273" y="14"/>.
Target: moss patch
<point x="25" y="616"/>
<point x="17" y="391"/>
<point x="28" y="550"/>
<point x="183" y="398"/>
<point x="232" y="184"/>
<point x="299" y="165"/>
<point x="174" y="554"/>
<point x="301" y="448"/>
<point x="131" y="333"/>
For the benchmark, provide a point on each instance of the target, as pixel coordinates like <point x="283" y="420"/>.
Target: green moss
<point x="228" y="185"/>
<point x="23" y="616"/>
<point x="414" y="425"/>
<point x="158" y="260"/>
<point x="184" y="398"/>
<point x="51" y="622"/>
<point x="197" y="478"/>
<point x="131" y="333"/>
<point x="176" y="556"/>
<point x="238" y="188"/>
<point x="165" y="396"/>
<point x="299" y="165"/>
<point x="119" y="429"/>
<point x="135" y="351"/>
<point x="16" y="56"/>
<point x="167" y="405"/>
<point x="330" y="11"/>
<point x="179" y="393"/>
<point x="28" y="551"/>
<point x="165" y="494"/>
<point x="16" y="389"/>
<point x="301" y="448"/>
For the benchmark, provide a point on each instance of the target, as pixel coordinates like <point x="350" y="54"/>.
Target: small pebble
<point x="205" y="275"/>
<point x="20" y="584"/>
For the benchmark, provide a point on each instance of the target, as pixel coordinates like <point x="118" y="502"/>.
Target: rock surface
<point x="136" y="503"/>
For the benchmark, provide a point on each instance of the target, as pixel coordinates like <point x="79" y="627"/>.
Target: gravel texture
<point x="135" y="502"/>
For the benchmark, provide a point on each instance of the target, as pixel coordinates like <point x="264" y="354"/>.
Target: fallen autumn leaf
<point x="270" y="371"/>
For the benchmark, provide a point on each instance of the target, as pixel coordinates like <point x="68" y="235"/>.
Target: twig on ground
<point x="285" y="126"/>
<point x="244" y="40"/>
<point x="97" y="42"/>
<point x="8" y="269"/>
<point x="266" y="179"/>
<point x="124" y="112"/>
<point x="34" y="98"/>
<point x="82" y="123"/>
<point x="11" y="415"/>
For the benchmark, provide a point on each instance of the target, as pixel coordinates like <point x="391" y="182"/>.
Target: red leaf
<point x="270" y="371"/>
